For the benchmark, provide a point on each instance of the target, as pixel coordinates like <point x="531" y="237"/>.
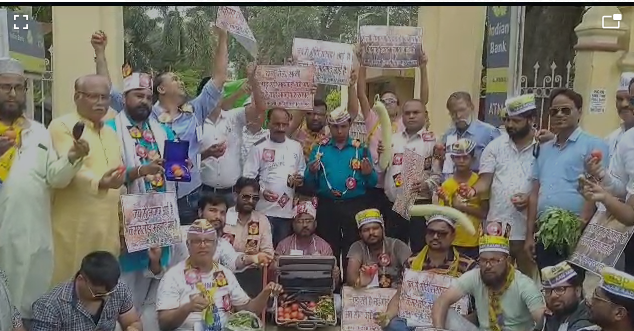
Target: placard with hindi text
<point x="360" y="306"/>
<point x="419" y="290"/>
<point x="391" y="47"/>
<point x="287" y="87"/>
<point x="150" y="219"/>
<point x="602" y="243"/>
<point x="332" y="61"/>
<point x="231" y="19"/>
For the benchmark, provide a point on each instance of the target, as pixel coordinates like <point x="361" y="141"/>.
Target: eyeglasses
<point x="439" y="234"/>
<point x="95" y="97"/>
<point x="247" y="197"/>
<point x="98" y="295"/>
<point x="389" y="101"/>
<point x="6" y="88"/>
<point x="200" y="242"/>
<point x="491" y="262"/>
<point x="559" y="290"/>
<point x="595" y="296"/>
<point x="564" y="110"/>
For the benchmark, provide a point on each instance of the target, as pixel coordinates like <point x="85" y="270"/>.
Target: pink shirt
<point x="374" y="136"/>
<point x="316" y="247"/>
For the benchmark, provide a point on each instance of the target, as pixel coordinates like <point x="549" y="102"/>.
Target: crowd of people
<point x="299" y="186"/>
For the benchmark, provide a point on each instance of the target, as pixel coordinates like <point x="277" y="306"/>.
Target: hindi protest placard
<point x="602" y="243"/>
<point x="287" y="87"/>
<point x="150" y="219"/>
<point x="230" y="18"/>
<point x="359" y="307"/>
<point x="332" y="61"/>
<point x="413" y="169"/>
<point x="391" y="47"/>
<point x="419" y="290"/>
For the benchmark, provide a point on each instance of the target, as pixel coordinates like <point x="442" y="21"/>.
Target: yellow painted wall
<point x="73" y="55"/>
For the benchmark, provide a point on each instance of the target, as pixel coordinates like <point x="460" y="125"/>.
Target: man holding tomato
<point x="375" y="260"/>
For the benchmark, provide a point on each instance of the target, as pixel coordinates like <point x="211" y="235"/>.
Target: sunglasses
<point x="564" y="110"/>
<point x="246" y="197"/>
<point x="439" y="234"/>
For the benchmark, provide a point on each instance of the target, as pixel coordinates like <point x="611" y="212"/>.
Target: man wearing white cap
<point x="29" y="168"/>
<point x="506" y="165"/>
<point x="563" y="289"/>
<point x="612" y="304"/>
<point x="505" y="299"/>
<point x="340" y="171"/>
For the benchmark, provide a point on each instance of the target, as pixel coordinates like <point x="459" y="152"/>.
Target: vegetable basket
<point x="308" y="299"/>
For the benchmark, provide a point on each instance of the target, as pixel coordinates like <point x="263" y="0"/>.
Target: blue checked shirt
<point x="186" y="126"/>
<point x="60" y="309"/>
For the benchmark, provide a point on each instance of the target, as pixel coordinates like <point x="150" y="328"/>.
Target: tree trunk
<point x="549" y="38"/>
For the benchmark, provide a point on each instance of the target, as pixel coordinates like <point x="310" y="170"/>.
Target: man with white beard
<point x="29" y="168"/>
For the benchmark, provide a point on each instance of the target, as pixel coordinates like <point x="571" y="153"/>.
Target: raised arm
<point x="99" y="41"/>
<point x="424" y="83"/>
<point x="211" y="95"/>
<point x="255" y="113"/>
<point x="353" y="98"/>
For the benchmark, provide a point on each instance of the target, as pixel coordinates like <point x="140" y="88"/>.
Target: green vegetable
<point x="243" y="320"/>
<point x="560" y="229"/>
<point x="325" y="308"/>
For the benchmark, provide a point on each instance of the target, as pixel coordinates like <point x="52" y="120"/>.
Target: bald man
<point x="85" y="213"/>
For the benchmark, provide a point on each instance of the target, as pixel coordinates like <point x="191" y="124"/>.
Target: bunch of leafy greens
<point x="560" y="229"/>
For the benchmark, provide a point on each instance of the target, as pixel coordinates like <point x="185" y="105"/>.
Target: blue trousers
<point x="398" y="324"/>
<point x="280" y="228"/>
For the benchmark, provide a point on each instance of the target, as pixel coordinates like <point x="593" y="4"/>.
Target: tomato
<point x="300" y="316"/>
<point x="294" y="315"/>
<point x="179" y="172"/>
<point x="312" y="304"/>
<point x="295" y="307"/>
<point x="280" y="310"/>
<point x="287" y="317"/>
<point x="10" y="134"/>
<point x="287" y="310"/>
<point x="175" y="167"/>
<point x="121" y="169"/>
<point x="280" y="317"/>
<point x="597" y="154"/>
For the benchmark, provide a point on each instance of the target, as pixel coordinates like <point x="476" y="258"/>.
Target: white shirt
<point x="248" y="139"/>
<point x="174" y="292"/>
<point x="274" y="162"/>
<point x="223" y="172"/>
<point x="511" y="171"/>
<point x="225" y="254"/>
<point x="613" y="139"/>
<point x="422" y="143"/>
<point x="620" y="178"/>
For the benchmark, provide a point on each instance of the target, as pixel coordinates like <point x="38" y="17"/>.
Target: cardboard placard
<point x="230" y="18"/>
<point x="419" y="291"/>
<point x="602" y="243"/>
<point x="150" y="219"/>
<point x="391" y="47"/>
<point x="287" y="87"/>
<point x="359" y="307"/>
<point x="332" y="61"/>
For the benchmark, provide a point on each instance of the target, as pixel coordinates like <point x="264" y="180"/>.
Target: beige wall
<point x="452" y="39"/>
<point x="73" y="55"/>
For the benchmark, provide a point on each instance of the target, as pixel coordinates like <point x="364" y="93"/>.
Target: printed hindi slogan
<point x="602" y="243"/>
<point x="287" y="87"/>
<point x="230" y="18"/>
<point x="391" y="47"/>
<point x="332" y="61"/>
<point x="413" y="168"/>
<point x="419" y="290"/>
<point x="359" y="307"/>
<point x="150" y="219"/>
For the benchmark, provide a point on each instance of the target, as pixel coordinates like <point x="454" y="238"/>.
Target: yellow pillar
<point x="452" y="39"/>
<point x="73" y="55"/>
<point x="596" y="69"/>
<point x="626" y="62"/>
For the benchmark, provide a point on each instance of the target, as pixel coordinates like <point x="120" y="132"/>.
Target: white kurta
<point x="26" y="242"/>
